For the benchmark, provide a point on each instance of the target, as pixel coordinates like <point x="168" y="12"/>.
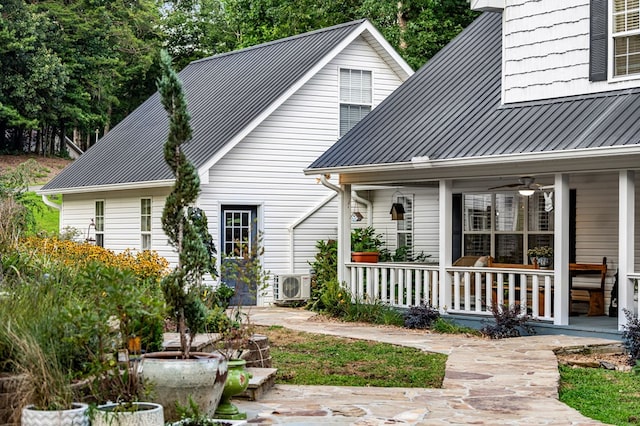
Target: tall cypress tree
<point x="185" y="226"/>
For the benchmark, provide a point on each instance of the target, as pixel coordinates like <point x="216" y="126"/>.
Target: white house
<point x="259" y="116"/>
<point x="536" y="97"/>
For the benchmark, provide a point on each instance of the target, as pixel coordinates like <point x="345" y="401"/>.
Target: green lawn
<point x="315" y="359"/>
<point x="612" y="397"/>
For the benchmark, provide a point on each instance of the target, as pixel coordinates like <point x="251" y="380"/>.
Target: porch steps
<point x="612" y="348"/>
<point x="263" y="379"/>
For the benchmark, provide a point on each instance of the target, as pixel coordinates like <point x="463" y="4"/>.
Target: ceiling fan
<point x="526" y="185"/>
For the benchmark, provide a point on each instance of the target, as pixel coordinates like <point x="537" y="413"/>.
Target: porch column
<point x="445" y="238"/>
<point x="626" y="242"/>
<point x="344" y="233"/>
<point x="561" y="297"/>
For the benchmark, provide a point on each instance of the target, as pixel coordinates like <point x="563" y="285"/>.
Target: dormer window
<point x="626" y="37"/>
<point x="355" y="97"/>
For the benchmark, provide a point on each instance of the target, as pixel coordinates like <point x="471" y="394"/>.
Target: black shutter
<point x="456" y="226"/>
<point x="598" y="58"/>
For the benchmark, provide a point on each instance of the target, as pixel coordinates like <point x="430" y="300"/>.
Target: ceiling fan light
<point x="526" y="192"/>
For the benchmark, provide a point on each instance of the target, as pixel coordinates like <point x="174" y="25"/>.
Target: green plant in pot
<point x="237" y="333"/>
<point x="201" y="375"/>
<point x="32" y="348"/>
<point x="542" y="255"/>
<point x="366" y="245"/>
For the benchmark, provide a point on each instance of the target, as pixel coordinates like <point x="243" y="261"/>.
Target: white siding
<point x="546" y="51"/>
<point x="122" y="218"/>
<point x="266" y="168"/>
<point x="425" y="218"/>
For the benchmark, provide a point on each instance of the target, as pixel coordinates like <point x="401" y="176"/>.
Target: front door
<point x="239" y="234"/>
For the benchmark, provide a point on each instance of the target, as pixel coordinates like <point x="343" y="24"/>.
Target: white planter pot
<point x="174" y="379"/>
<point x="76" y="416"/>
<point x="147" y="414"/>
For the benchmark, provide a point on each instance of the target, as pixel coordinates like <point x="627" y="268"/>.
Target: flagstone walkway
<point x="487" y="382"/>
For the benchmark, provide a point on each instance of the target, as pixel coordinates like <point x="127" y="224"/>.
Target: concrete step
<point x="261" y="381"/>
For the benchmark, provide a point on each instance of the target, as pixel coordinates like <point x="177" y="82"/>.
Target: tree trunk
<point x="402" y="24"/>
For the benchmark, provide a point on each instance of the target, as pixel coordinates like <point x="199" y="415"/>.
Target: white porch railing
<point x="473" y="290"/>
<point x="634" y="280"/>
<point x="398" y="284"/>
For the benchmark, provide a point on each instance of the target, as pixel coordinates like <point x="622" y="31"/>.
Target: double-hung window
<point x="626" y="37"/>
<point x="355" y="97"/>
<point x="145" y="223"/>
<point x="99" y="222"/>
<point x="505" y="225"/>
<point x="404" y="227"/>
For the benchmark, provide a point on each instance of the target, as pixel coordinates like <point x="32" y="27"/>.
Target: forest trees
<point x="75" y="68"/>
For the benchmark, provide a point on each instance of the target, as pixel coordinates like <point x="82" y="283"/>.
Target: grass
<point x="47" y="218"/>
<point x="609" y="396"/>
<point x="315" y="359"/>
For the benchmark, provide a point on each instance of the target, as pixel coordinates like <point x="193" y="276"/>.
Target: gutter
<point x="525" y="157"/>
<point x="110" y="187"/>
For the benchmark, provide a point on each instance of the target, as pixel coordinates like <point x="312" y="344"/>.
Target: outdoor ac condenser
<point x="293" y="287"/>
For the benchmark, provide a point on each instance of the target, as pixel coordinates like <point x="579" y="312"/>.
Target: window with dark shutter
<point x="626" y="37"/>
<point x="598" y="58"/>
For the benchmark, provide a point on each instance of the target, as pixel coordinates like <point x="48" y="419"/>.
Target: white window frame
<point x="99" y="221"/>
<point x="526" y="232"/>
<point x="344" y="99"/>
<point x="146" y="218"/>
<point x="404" y="227"/>
<point x="613" y="35"/>
<point x="230" y="245"/>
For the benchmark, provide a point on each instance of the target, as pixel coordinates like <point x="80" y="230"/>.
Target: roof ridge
<point x="282" y="40"/>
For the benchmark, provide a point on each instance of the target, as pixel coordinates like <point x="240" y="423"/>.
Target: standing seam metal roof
<point x="451" y="108"/>
<point x="224" y="94"/>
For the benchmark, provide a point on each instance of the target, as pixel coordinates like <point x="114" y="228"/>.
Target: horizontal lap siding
<point x="122" y="218"/>
<point x="266" y="168"/>
<point x="425" y="219"/>
<point x="546" y="51"/>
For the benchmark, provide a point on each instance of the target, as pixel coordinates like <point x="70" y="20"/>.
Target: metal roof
<point x="451" y="108"/>
<point x="225" y="93"/>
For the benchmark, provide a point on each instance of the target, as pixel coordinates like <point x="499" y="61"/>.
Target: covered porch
<point x="592" y="215"/>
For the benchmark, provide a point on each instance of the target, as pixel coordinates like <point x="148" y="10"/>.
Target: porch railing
<point x="634" y="280"/>
<point x="473" y="290"/>
<point x="398" y="284"/>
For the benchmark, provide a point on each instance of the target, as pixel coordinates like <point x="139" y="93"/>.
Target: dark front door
<point x="239" y="234"/>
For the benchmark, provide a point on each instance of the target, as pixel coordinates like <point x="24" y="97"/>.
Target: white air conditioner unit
<point x="293" y="287"/>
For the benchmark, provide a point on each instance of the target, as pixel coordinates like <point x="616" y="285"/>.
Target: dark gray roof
<point x="451" y="108"/>
<point x="224" y="94"/>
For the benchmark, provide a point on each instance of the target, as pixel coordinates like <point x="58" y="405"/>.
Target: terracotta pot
<point x="75" y="416"/>
<point x="175" y="379"/>
<point x="365" y="256"/>
<point x="146" y="414"/>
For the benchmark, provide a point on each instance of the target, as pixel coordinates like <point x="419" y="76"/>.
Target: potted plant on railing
<point x="365" y="245"/>
<point x="179" y="375"/>
<point x="542" y="254"/>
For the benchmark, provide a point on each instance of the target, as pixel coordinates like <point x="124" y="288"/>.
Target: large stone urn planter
<point x="146" y="414"/>
<point x="76" y="416"/>
<point x="202" y="377"/>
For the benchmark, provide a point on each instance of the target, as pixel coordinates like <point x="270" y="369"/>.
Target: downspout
<point x="50" y="203"/>
<point x="343" y="241"/>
